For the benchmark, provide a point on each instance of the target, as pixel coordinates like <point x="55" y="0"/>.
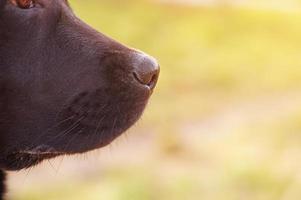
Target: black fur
<point x="2" y="184"/>
<point x="64" y="87"/>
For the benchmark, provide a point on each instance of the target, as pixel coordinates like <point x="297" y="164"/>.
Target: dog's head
<point x="64" y="87"/>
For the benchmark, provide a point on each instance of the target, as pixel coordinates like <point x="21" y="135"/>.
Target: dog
<point x="64" y="87"/>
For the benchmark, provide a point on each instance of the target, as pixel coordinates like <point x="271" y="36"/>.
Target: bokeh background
<point x="224" y="122"/>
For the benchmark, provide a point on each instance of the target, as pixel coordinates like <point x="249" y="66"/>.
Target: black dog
<point x="64" y="87"/>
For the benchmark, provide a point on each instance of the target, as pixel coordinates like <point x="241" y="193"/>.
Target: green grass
<point x="214" y="60"/>
<point x="205" y="53"/>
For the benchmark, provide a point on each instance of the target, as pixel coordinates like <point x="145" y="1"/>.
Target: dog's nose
<point x="146" y="70"/>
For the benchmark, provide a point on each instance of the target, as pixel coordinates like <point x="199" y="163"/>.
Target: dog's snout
<point x="146" y="70"/>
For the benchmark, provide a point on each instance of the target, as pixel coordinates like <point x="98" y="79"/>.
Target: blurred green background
<point x="224" y="122"/>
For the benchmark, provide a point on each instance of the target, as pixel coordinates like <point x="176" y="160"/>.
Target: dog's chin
<point x="79" y="142"/>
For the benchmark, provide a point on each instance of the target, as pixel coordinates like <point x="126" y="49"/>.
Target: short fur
<point x="64" y="87"/>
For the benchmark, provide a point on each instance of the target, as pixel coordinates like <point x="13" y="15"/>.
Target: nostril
<point x="146" y="70"/>
<point x="148" y="79"/>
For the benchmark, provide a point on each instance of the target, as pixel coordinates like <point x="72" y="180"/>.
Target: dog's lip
<point x="42" y="150"/>
<point x="39" y="153"/>
<point x="23" y="159"/>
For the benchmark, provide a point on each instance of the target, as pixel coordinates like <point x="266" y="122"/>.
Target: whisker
<point x="49" y="129"/>
<point x="49" y="162"/>
<point x="69" y="129"/>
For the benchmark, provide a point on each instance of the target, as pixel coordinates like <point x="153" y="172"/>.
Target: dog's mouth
<point x="27" y="158"/>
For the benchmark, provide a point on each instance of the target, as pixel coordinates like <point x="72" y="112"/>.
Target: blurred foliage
<point x="226" y="117"/>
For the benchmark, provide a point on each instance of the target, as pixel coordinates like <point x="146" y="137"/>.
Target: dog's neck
<point x="2" y="184"/>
